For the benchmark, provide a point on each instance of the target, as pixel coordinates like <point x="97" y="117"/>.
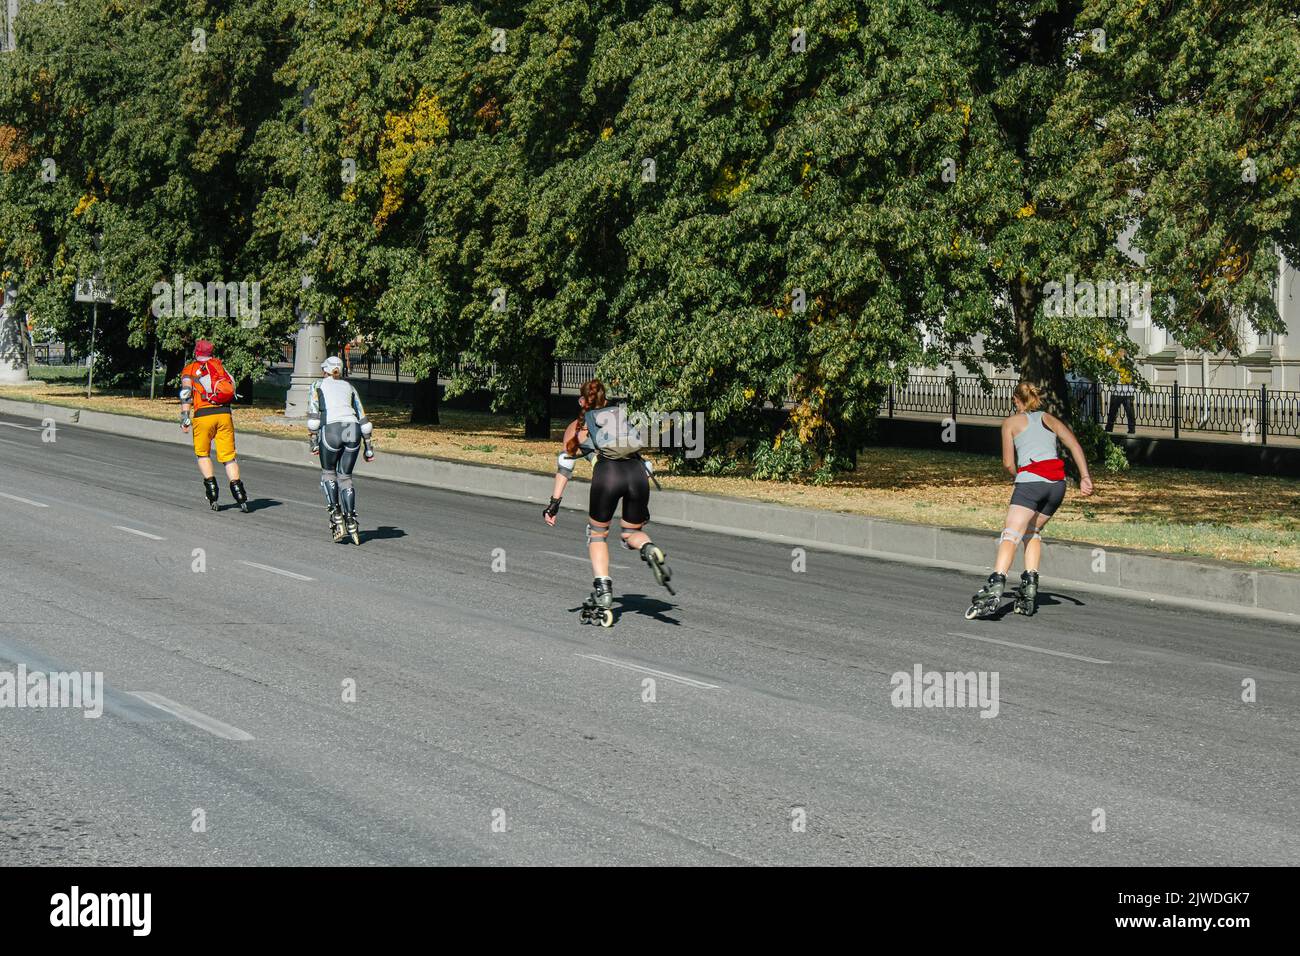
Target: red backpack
<point x="222" y="391"/>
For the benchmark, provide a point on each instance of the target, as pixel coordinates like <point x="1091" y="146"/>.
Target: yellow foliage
<point x="729" y="185"/>
<point x="84" y="203"/>
<point x="408" y="140"/>
<point x="1026" y="211"/>
<point x="607" y="132"/>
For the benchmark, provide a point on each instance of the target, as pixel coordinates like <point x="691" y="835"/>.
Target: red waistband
<point x="1053" y="469"/>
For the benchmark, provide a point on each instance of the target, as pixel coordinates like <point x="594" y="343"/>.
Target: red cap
<point x="203" y="349"/>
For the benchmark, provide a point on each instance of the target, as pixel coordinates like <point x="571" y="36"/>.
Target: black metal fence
<point x="1253" y="413"/>
<point x="56" y="354"/>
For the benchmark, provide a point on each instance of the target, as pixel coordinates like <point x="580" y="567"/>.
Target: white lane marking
<point x="26" y="501"/>
<point x="143" y="534"/>
<point x="267" y="567"/>
<point x="26" y="428"/>
<point x="1030" y="647"/>
<point x="574" y="557"/>
<point x="191" y="716"/>
<point x="688" y="681"/>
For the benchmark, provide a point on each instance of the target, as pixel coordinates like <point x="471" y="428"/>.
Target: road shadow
<point x="382" y="532"/>
<point x="647" y="606"/>
<point x="1047" y="598"/>
<point x="639" y="604"/>
<point x="257" y="504"/>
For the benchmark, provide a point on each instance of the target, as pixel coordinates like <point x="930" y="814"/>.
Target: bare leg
<point x="598" y="548"/>
<point x="1034" y="545"/>
<point x="1018" y="518"/>
<point x="634" y="537"/>
<point x="205" y="467"/>
<point x="232" y="469"/>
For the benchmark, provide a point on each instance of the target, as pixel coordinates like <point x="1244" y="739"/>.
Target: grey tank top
<point x="1036" y="443"/>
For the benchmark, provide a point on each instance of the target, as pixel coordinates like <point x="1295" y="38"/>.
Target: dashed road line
<point x="143" y="534"/>
<point x="287" y="574"/>
<point x="193" y="717"/>
<point x="688" y="681"/>
<point x="1030" y="647"/>
<point x="26" y="501"/>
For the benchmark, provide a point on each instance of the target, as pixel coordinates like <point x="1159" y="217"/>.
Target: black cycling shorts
<point x="622" y="478"/>
<point x="1042" y="496"/>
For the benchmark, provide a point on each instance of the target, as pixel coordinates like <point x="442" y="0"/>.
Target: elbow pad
<point x="366" y="428"/>
<point x="313" y="424"/>
<point x="186" y="394"/>
<point x="564" y="464"/>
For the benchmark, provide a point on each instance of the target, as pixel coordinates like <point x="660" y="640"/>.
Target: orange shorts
<point x="214" y="429"/>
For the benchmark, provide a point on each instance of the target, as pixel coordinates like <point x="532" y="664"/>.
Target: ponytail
<point x="593" y="394"/>
<point x="1030" y="395"/>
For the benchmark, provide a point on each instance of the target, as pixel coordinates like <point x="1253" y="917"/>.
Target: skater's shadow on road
<point x="1046" y="598"/>
<point x="257" y="504"/>
<point x="648" y="606"/>
<point x="383" y="531"/>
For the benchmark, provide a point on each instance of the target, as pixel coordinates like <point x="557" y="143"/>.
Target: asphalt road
<point x="489" y="727"/>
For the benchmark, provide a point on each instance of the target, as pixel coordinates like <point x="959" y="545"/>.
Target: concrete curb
<point x="1196" y="583"/>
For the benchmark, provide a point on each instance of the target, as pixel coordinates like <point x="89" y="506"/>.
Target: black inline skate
<point x="598" y="608"/>
<point x="987" y="599"/>
<point x="212" y="491"/>
<point x="240" y="495"/>
<point x="1027" y="594"/>
<point x="653" y="556"/>
<point x="337" y="528"/>
<point x="348" y="504"/>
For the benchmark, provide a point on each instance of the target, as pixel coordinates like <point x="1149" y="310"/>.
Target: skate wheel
<point x="607" y="619"/>
<point x="356" y="537"/>
<point x="972" y="612"/>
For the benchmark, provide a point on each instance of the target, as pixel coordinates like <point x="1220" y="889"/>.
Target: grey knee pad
<point x="345" y="482"/>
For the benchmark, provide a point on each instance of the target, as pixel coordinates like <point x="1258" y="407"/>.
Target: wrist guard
<point x="313" y="442"/>
<point x="553" y="508"/>
<point x="185" y="419"/>
<point x="370" y="450"/>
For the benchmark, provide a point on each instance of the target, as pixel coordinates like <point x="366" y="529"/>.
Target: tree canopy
<point x="732" y="204"/>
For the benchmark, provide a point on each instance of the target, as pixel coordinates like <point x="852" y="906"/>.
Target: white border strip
<point x="193" y="717"/>
<point x="688" y="681"/>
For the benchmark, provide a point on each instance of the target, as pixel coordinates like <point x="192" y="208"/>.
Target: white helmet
<point x="330" y="364"/>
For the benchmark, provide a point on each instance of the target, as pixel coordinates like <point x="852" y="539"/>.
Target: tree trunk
<point x="1040" y="363"/>
<point x="174" y="362"/>
<point x="424" y="406"/>
<point x="537" y="411"/>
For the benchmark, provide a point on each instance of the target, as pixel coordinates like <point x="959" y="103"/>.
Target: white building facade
<point x="1270" y="359"/>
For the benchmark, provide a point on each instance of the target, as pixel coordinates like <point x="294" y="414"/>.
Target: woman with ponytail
<point x="1030" y="454"/>
<point x="619" y="473"/>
